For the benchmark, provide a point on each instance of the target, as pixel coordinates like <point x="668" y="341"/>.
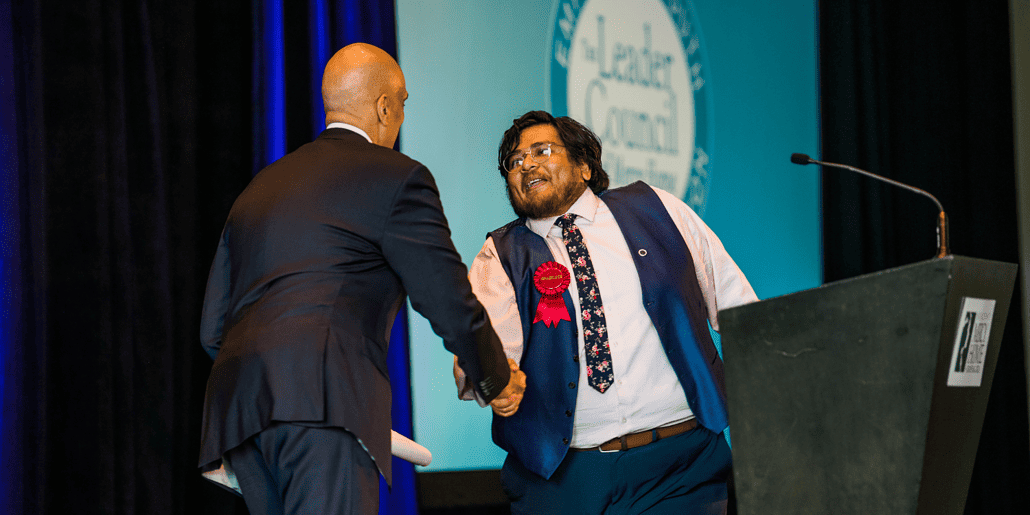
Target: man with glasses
<point x="604" y="298"/>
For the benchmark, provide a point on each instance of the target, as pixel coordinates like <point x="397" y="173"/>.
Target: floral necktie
<point x="595" y="333"/>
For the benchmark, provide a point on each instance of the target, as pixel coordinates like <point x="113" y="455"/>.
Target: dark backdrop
<point x="920" y="91"/>
<point x="136" y="139"/>
<point x="141" y="123"/>
<point x="137" y="126"/>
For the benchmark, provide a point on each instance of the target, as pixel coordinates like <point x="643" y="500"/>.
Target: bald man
<point x="313" y="265"/>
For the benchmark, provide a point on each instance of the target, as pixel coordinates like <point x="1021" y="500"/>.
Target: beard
<point x="551" y="205"/>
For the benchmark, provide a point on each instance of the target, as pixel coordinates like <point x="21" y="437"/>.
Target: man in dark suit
<point x="313" y="265"/>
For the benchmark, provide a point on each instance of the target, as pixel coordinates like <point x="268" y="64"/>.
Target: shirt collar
<point x="584" y="208"/>
<point x="341" y="125"/>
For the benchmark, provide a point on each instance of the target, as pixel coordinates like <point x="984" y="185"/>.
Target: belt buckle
<point x="620" y="440"/>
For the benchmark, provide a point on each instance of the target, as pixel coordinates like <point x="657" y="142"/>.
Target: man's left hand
<point x="507" y="403"/>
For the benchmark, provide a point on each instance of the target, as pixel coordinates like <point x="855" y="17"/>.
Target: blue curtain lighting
<point x="10" y="291"/>
<point x="274" y="79"/>
<point x="320" y="54"/>
<point x="401" y="500"/>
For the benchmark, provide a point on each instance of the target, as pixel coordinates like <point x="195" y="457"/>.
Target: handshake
<point x="507" y="402"/>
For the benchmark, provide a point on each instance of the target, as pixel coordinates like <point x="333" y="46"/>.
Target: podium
<point x="865" y="395"/>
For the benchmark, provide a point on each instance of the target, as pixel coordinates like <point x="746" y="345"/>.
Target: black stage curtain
<point x="141" y="121"/>
<point x="136" y="140"/>
<point x="920" y="91"/>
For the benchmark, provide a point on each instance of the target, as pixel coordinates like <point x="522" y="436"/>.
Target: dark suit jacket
<point x="314" y="263"/>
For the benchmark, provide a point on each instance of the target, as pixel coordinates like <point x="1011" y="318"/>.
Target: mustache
<point x="550" y="205"/>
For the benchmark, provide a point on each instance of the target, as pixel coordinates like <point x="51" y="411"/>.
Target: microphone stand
<point x="942" y="218"/>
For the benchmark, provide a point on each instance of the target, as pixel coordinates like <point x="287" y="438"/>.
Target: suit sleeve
<point x="417" y="244"/>
<point x="216" y="301"/>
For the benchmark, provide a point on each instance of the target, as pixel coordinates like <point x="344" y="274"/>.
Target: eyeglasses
<point x="539" y="152"/>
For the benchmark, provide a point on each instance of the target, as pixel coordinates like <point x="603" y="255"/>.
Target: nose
<point x="528" y="163"/>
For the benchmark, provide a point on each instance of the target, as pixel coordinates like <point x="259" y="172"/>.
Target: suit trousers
<point x="290" y="469"/>
<point x="686" y="473"/>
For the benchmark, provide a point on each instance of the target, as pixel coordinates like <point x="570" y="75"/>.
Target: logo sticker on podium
<point x="970" y="350"/>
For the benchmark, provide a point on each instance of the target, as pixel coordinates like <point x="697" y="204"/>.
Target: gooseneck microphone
<point x="942" y="218"/>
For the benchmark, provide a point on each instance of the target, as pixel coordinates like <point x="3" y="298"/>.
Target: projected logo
<point x="634" y="73"/>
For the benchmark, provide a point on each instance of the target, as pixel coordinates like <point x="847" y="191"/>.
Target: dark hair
<point x="580" y="142"/>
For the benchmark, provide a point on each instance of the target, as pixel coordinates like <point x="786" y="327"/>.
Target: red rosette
<point x="551" y="280"/>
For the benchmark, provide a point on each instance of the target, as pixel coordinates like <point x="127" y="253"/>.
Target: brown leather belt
<point x="632" y="440"/>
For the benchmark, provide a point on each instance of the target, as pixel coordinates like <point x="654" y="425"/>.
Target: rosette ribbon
<point x="551" y="280"/>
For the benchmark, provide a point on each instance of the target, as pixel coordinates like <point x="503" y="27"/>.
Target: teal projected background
<point x="473" y="66"/>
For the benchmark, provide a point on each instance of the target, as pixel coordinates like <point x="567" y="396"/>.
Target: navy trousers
<point x="682" y="474"/>
<point x="291" y="469"/>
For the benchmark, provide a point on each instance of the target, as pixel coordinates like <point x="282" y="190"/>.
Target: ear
<point x="584" y="171"/>
<point x="383" y="111"/>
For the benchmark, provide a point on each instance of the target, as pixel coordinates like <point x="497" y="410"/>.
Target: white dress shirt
<point x="646" y="392"/>
<point x="341" y="125"/>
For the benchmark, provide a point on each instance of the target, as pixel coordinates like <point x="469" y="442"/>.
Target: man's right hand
<point x="507" y="402"/>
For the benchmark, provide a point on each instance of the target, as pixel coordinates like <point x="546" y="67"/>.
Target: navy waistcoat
<point x="540" y="432"/>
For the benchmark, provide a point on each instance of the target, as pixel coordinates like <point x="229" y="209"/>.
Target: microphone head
<point x="800" y="159"/>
